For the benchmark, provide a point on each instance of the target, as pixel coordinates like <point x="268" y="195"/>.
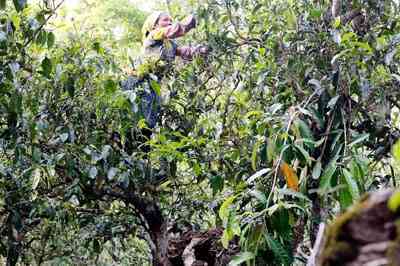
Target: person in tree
<point x="159" y="50"/>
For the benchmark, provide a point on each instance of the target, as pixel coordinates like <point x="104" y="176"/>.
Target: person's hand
<point x="189" y="23"/>
<point x="129" y="71"/>
<point x="203" y="50"/>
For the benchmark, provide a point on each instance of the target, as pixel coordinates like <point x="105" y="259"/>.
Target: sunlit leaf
<point x="333" y="101"/>
<point x="262" y="172"/>
<point x="64" y="137"/>
<point x="259" y="195"/>
<point x="225" y="208"/>
<point x="316" y="173"/>
<point x="352" y="185"/>
<point x="396" y="151"/>
<point x="93" y="172"/>
<point x="156" y="87"/>
<point x="241" y="258"/>
<point x="226" y="237"/>
<point x="112" y="172"/>
<point x="394" y="201"/>
<point x="359" y="139"/>
<point x="36" y="177"/>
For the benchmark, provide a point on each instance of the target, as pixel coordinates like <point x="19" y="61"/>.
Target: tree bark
<point x="366" y="234"/>
<point x="157" y="228"/>
<point x="336" y="8"/>
<point x="14" y="242"/>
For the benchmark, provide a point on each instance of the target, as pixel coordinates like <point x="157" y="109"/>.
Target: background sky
<point x="145" y="5"/>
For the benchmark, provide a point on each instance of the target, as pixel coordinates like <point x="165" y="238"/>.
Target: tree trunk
<point x="156" y="226"/>
<point x="367" y="234"/>
<point x="160" y="246"/>
<point x="14" y="242"/>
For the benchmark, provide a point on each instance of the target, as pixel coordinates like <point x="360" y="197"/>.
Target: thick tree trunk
<point x="336" y="8"/>
<point x="157" y="228"/>
<point x="160" y="246"/>
<point x="201" y="249"/>
<point x="198" y="248"/>
<point x="367" y="234"/>
<point x="14" y="242"/>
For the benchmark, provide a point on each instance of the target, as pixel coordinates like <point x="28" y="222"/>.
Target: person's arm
<point x="188" y="52"/>
<point x="174" y="31"/>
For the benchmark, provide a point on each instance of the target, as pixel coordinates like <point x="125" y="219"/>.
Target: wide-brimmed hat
<point x="151" y="22"/>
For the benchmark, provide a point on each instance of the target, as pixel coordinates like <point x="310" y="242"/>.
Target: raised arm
<point x="175" y="30"/>
<point x="188" y="52"/>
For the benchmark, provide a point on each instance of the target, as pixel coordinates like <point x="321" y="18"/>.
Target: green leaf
<point x="3" y="4"/>
<point x="345" y="198"/>
<point x="396" y="152"/>
<point x="217" y="183"/>
<point x="36" y="177"/>
<point x="305" y="154"/>
<point x="327" y="175"/>
<point x="19" y="4"/>
<point x="64" y="137"/>
<point x="352" y="185"/>
<point x="50" y="39"/>
<point x="359" y="139"/>
<point x="316" y="13"/>
<point x="305" y="131"/>
<point x="41" y="38"/>
<point x="257" y="175"/>
<point x="16" y="20"/>
<point x="332" y="102"/>
<point x="156" y="87"/>
<point x="96" y="246"/>
<point x="336" y="23"/>
<point x="241" y="258"/>
<point x="271" y="150"/>
<point x="69" y="86"/>
<point x="96" y="46"/>
<point x="259" y="195"/>
<point x="46" y="67"/>
<point x="278" y="250"/>
<point x="254" y="155"/>
<point x="112" y="172"/>
<point x="224" y="209"/>
<point x="316" y="173"/>
<point x="394" y="201"/>
<point x="110" y="86"/>
<point x="93" y="172"/>
<point x="226" y="237"/>
<point x="289" y="192"/>
<point x="36" y="155"/>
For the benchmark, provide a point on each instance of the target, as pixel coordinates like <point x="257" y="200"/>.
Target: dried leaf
<point x="291" y="178"/>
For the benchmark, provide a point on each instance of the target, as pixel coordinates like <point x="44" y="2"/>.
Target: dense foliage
<point x="290" y="119"/>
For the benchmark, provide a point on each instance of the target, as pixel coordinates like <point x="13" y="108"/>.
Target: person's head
<point x="155" y="20"/>
<point x="164" y="20"/>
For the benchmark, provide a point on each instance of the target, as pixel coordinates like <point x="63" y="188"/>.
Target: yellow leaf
<point x="291" y="178"/>
<point x="396" y="152"/>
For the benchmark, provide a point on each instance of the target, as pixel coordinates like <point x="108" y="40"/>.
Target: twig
<point x="43" y="24"/>
<point x="280" y="157"/>
<point x="318" y="246"/>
